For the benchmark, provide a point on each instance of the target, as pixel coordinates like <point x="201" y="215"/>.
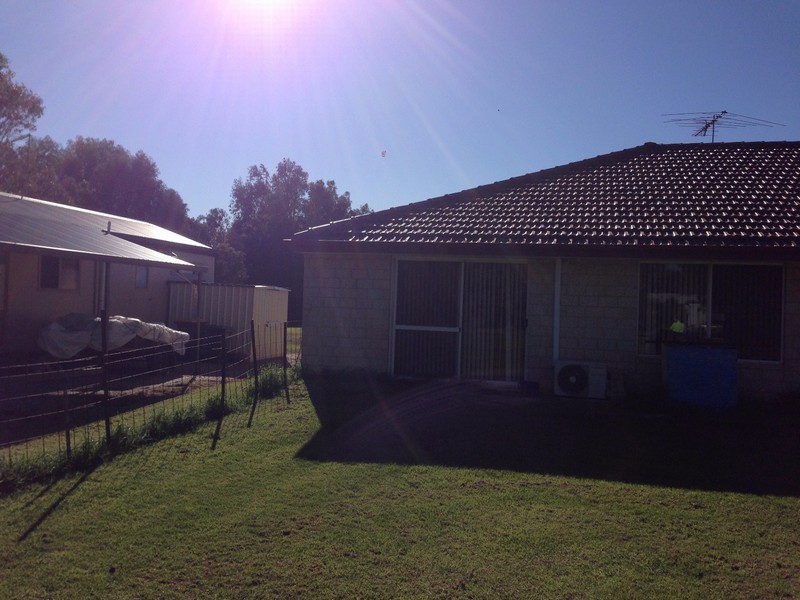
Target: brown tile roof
<point x="653" y="199"/>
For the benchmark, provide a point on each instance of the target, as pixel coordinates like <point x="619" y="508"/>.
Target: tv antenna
<point x="702" y="122"/>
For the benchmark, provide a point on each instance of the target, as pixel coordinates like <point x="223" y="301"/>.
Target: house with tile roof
<point x="57" y="259"/>
<point x="606" y="264"/>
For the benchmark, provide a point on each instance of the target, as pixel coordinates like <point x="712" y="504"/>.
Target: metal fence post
<point x="286" y="360"/>
<point x="255" y="371"/>
<point x="66" y="424"/>
<point x="222" y="358"/>
<point x="215" y="439"/>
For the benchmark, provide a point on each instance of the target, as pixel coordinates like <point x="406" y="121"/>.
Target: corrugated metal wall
<point x="234" y="307"/>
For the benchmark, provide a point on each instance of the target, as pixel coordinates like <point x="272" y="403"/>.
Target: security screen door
<point x="493" y="321"/>
<point x="427" y="318"/>
<point x="455" y="319"/>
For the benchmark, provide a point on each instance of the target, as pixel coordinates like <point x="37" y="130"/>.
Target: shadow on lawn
<point x="51" y="509"/>
<point x="466" y="425"/>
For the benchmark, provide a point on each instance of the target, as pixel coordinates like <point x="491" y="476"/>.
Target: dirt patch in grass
<point x="467" y="425"/>
<point x="44" y="414"/>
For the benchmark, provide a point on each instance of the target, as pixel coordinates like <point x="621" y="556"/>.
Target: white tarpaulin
<point x="67" y="336"/>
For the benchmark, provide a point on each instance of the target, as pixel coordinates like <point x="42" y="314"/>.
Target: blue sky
<point x="457" y="93"/>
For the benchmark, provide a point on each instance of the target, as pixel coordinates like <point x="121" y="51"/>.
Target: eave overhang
<point x="488" y="249"/>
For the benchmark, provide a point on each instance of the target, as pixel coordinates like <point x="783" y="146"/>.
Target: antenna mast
<point x="712" y="123"/>
<point x="701" y="122"/>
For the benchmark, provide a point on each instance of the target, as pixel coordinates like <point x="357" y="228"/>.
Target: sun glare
<point x="261" y="7"/>
<point x="261" y="13"/>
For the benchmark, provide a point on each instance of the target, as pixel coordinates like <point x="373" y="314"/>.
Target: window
<point x="58" y="273"/>
<point x="727" y="304"/>
<point x="142" y="276"/>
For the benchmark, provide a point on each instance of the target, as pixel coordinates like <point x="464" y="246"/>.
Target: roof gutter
<point x="634" y="251"/>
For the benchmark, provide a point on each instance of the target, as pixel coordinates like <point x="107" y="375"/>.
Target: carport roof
<point x="32" y="225"/>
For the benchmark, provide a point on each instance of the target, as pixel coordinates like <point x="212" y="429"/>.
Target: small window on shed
<point x="142" y="277"/>
<point x="58" y="273"/>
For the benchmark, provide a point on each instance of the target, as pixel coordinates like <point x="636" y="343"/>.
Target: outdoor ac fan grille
<point x="580" y="380"/>
<point x="573" y="379"/>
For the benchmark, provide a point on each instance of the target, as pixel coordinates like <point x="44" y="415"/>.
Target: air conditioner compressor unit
<point x="580" y="379"/>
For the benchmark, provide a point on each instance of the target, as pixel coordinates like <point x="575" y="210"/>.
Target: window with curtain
<point x="726" y="304"/>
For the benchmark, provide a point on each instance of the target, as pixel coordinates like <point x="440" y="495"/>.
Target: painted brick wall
<point x="346" y="312"/>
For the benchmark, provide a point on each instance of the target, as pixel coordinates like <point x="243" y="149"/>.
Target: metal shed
<point x="232" y="307"/>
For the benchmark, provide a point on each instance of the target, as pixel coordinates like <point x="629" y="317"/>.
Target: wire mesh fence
<point x="51" y="411"/>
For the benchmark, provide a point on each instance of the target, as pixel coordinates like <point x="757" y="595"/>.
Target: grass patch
<point x="294" y="340"/>
<point x="175" y="519"/>
<point x="271" y="380"/>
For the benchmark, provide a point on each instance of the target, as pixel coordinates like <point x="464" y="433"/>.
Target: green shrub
<point x="270" y="379"/>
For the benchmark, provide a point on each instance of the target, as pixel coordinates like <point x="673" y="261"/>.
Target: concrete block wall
<point x="346" y="312"/>
<point x="599" y="311"/>
<point x="599" y="315"/>
<point x="539" y="333"/>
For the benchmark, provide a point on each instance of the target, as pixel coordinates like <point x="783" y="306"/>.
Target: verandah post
<point x="105" y="374"/>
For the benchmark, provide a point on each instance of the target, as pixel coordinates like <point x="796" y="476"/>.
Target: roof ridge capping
<point x="645" y="149"/>
<point x="335" y="225"/>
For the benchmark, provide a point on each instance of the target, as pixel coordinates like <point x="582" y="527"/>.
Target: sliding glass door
<point x="455" y="319"/>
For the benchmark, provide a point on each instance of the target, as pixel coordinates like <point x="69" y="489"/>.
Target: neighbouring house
<point x="57" y="259"/>
<point x="604" y="262"/>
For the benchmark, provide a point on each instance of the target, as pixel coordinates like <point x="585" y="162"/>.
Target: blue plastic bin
<point x="702" y="376"/>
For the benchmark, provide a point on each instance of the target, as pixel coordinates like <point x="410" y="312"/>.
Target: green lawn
<point x="250" y="520"/>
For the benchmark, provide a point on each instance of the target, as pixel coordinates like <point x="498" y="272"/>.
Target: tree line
<point x="98" y="174"/>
